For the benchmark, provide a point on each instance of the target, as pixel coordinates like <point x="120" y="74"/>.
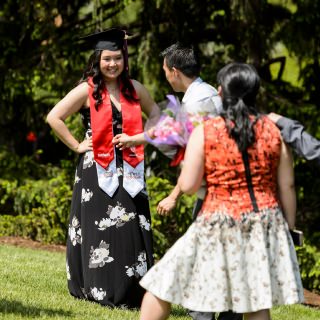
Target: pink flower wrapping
<point x="174" y="127"/>
<point x="170" y="129"/>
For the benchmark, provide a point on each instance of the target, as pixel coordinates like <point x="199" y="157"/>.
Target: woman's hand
<point x="123" y="141"/>
<point x="84" y="146"/>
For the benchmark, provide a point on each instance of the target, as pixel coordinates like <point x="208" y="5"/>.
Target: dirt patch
<point x="27" y="243"/>
<point x="311" y="299"/>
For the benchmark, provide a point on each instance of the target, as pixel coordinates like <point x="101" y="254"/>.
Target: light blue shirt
<point x="201" y="97"/>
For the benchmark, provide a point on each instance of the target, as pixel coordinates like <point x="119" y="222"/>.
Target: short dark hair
<point x="182" y="58"/>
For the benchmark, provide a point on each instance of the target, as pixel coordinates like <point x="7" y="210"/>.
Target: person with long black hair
<point x="109" y="245"/>
<point x="238" y="254"/>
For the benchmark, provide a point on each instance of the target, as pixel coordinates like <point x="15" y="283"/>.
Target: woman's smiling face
<point x="111" y="64"/>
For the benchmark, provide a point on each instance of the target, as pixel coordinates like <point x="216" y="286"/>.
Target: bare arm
<point x="193" y="167"/>
<point x="70" y="104"/>
<point x="286" y="186"/>
<point x="148" y="106"/>
<point x="152" y="111"/>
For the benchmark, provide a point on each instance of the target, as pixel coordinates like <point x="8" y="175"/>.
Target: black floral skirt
<point x="109" y="246"/>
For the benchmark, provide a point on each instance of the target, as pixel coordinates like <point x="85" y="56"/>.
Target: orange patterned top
<point x="225" y="171"/>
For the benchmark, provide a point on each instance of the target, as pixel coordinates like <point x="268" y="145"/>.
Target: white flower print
<point x="144" y="223"/>
<point x="223" y="245"/>
<point x="117" y="217"/>
<point x="88" y="160"/>
<point x="104" y="224"/>
<point x="100" y="256"/>
<point x="120" y="171"/>
<point x="138" y="269"/>
<point x="98" y="294"/>
<point x="74" y="231"/>
<point x="68" y="271"/>
<point x="76" y="178"/>
<point x="130" y="272"/>
<point x="86" y="195"/>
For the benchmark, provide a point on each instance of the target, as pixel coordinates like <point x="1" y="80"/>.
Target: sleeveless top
<point x="228" y="190"/>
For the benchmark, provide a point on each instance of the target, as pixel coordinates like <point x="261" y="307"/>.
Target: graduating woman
<point x="109" y="246"/>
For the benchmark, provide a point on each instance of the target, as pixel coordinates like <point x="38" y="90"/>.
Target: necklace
<point x="112" y="88"/>
<point x="114" y="95"/>
<point x="113" y="91"/>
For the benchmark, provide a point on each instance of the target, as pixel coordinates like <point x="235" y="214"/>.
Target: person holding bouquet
<point x="200" y="102"/>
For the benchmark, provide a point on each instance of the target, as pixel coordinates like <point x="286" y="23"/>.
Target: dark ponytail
<point x="240" y="85"/>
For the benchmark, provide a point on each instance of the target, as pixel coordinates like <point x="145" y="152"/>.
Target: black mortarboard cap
<point x="111" y="39"/>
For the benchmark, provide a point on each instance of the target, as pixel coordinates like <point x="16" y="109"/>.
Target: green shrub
<point x="7" y="194"/>
<point x="309" y="262"/>
<point x="167" y="229"/>
<point x="34" y="198"/>
<point x="37" y="209"/>
<point x="15" y="167"/>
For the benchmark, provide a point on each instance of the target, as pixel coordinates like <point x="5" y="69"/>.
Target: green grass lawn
<point x="33" y="286"/>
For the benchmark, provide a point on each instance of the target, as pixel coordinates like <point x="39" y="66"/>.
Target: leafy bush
<point x="12" y="166"/>
<point x="34" y="198"/>
<point x="37" y="209"/>
<point x="309" y="262"/>
<point x="167" y="229"/>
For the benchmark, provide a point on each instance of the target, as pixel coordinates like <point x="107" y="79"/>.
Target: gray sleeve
<point x="294" y="134"/>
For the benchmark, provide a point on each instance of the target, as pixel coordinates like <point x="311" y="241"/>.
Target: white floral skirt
<point x="223" y="264"/>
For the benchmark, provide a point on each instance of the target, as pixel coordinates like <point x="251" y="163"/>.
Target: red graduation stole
<point x="102" y="133"/>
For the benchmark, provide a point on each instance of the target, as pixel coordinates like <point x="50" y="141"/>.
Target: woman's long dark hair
<point x="240" y="84"/>
<point x="93" y="70"/>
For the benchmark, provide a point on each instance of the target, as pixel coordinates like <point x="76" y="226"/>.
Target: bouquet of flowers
<point x="193" y="120"/>
<point x="172" y="131"/>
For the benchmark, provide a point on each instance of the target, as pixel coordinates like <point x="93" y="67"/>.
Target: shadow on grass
<point x="18" y="308"/>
